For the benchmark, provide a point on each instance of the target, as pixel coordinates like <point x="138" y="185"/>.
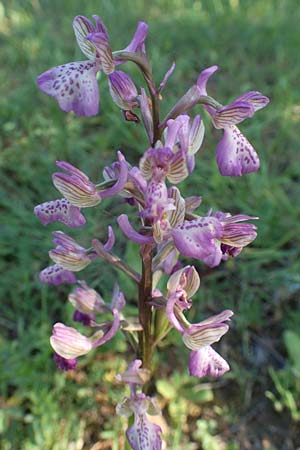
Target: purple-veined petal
<point x="74" y="86"/>
<point x="192" y="203"/>
<point x="75" y="186"/>
<point x="178" y="169"/>
<point x="185" y="279"/>
<point x="196" y="135"/>
<point x="103" y="53"/>
<point x="87" y="300"/>
<point x="238" y="234"/>
<point x="198" y="336"/>
<point x="69" y="260"/>
<point x="130" y="232"/>
<point x="232" y="114"/>
<point x="56" y="275"/>
<point x="199" y="239"/>
<point x="235" y="155"/>
<point x="82" y="27"/>
<point x="111" y="239"/>
<point x="60" y="210"/>
<point x="218" y="318"/>
<point x="68" y="342"/>
<point x="257" y="100"/>
<point x="120" y="183"/>
<point x="206" y="361"/>
<point x="166" y="77"/>
<point x="176" y="216"/>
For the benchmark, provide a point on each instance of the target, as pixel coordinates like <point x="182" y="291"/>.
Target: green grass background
<point x="256" y="406"/>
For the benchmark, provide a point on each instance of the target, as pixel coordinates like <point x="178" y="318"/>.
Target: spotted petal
<point x="143" y="434"/>
<point x="74" y="86"/>
<point x="235" y="155"/>
<point x="60" y="210"/>
<point x="206" y="361"/>
<point x="199" y="239"/>
<point x="56" y="275"/>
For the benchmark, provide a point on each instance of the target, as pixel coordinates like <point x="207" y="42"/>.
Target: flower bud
<point x="122" y="90"/>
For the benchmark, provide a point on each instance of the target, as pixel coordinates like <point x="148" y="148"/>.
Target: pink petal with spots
<point x="235" y="155"/>
<point x="60" y="210"/>
<point x="74" y="86"/>
<point x="144" y="435"/>
<point x="56" y="275"/>
<point x="199" y="239"/>
<point x="206" y="361"/>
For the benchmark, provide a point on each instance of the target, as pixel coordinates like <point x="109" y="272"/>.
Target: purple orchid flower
<point x="74" y="85"/>
<point x="75" y="186"/>
<point x="142" y="434"/>
<point x="69" y="344"/>
<point x="200" y="336"/>
<point x="60" y="210"/>
<point x="235" y="155"/>
<point x="214" y="238"/>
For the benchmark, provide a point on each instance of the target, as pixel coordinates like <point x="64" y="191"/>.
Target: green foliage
<point x="257" y="46"/>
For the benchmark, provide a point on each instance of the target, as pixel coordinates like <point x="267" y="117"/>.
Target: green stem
<point x="145" y="314"/>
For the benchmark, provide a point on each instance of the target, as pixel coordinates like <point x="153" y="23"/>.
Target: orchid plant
<point x="168" y="225"/>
